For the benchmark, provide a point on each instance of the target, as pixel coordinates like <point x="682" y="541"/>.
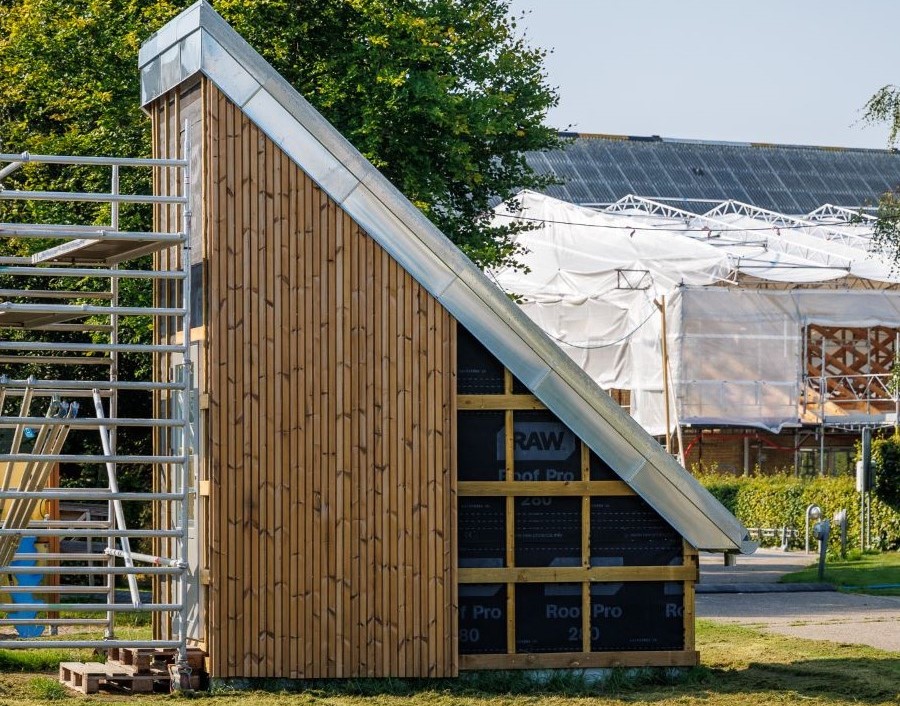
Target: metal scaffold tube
<point x="186" y="434"/>
<point x="9" y="386"/>
<point x="91" y="458"/>
<point x="87" y="494"/>
<point x="26" y="157"/>
<point x="76" y="310"/>
<point x="92" y="548"/>
<point x="89" y="272"/>
<point x="108" y="423"/>
<point x="66" y="233"/>
<point x="82" y="196"/>
<point x="118" y="510"/>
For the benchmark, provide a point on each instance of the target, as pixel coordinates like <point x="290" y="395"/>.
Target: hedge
<point x="777" y="501"/>
<point x="886" y="470"/>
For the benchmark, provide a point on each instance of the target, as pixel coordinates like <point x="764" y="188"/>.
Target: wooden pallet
<point x="146" y="672"/>
<point x="144" y="660"/>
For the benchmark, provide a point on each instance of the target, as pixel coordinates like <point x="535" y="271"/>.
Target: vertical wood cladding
<point x="329" y="433"/>
<point x="168" y="116"/>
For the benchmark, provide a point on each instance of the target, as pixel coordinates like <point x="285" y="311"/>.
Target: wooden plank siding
<point x="330" y="380"/>
<point x="167" y="116"/>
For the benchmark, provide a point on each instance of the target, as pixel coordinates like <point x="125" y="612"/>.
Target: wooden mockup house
<point x="399" y="473"/>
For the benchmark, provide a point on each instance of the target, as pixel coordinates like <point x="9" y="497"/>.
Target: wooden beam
<point x="532" y="488"/>
<point x="580" y="660"/>
<point x="198" y="333"/>
<point x="578" y="574"/>
<point x="499" y="402"/>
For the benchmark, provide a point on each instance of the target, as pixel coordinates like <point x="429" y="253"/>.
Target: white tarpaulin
<point x="737" y="354"/>
<point x="591" y="279"/>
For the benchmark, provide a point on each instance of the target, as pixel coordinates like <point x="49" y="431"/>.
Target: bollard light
<point x="821" y="530"/>
<point x="813" y="513"/>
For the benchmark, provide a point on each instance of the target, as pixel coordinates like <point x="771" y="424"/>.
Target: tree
<point x="442" y="95"/>
<point x="883" y="107"/>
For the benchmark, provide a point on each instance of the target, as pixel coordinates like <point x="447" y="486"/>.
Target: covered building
<point x="780" y="331"/>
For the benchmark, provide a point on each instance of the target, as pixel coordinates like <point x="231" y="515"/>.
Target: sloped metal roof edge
<point x="199" y="40"/>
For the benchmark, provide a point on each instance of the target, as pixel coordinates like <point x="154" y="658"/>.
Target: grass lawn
<point x="866" y="571"/>
<point x="741" y="667"/>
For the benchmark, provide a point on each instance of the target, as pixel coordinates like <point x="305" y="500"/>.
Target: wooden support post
<point x="585" y="550"/>
<point x="691" y="559"/>
<point x="661" y="305"/>
<point x="896" y="391"/>
<point x="509" y="477"/>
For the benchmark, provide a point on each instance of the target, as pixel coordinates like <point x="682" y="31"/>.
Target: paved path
<point x="833" y="616"/>
<point x="764" y="566"/>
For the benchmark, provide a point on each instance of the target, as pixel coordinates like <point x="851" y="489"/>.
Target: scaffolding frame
<point x="96" y="253"/>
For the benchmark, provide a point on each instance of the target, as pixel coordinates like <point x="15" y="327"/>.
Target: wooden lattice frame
<point x="585" y="575"/>
<point x="847" y="356"/>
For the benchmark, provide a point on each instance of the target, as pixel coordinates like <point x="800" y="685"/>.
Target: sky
<point x="782" y="71"/>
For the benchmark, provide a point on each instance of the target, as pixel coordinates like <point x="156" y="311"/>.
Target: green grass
<point x="47" y="689"/>
<point x="31" y="661"/>
<point x="38" y="660"/>
<point x="740" y="667"/>
<point x="863" y="572"/>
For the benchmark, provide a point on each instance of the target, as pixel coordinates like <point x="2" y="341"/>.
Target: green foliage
<point x="47" y="689"/>
<point x="69" y="85"/>
<point x="781" y="501"/>
<point x="884" y="107"/>
<point x="886" y="470"/>
<point x="443" y="96"/>
<point x="886" y="237"/>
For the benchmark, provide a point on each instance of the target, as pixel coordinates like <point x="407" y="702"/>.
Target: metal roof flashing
<point x="199" y="40"/>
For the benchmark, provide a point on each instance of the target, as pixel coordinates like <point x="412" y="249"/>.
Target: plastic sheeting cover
<point x="592" y="281"/>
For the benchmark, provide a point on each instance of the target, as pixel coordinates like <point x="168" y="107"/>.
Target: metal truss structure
<point x="71" y="398"/>
<point x="824" y="229"/>
<point x="713" y="228"/>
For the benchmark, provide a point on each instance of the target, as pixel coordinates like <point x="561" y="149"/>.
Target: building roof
<point x="199" y="41"/>
<point x="795" y="179"/>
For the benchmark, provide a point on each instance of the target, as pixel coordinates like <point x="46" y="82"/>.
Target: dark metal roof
<point x="785" y="178"/>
